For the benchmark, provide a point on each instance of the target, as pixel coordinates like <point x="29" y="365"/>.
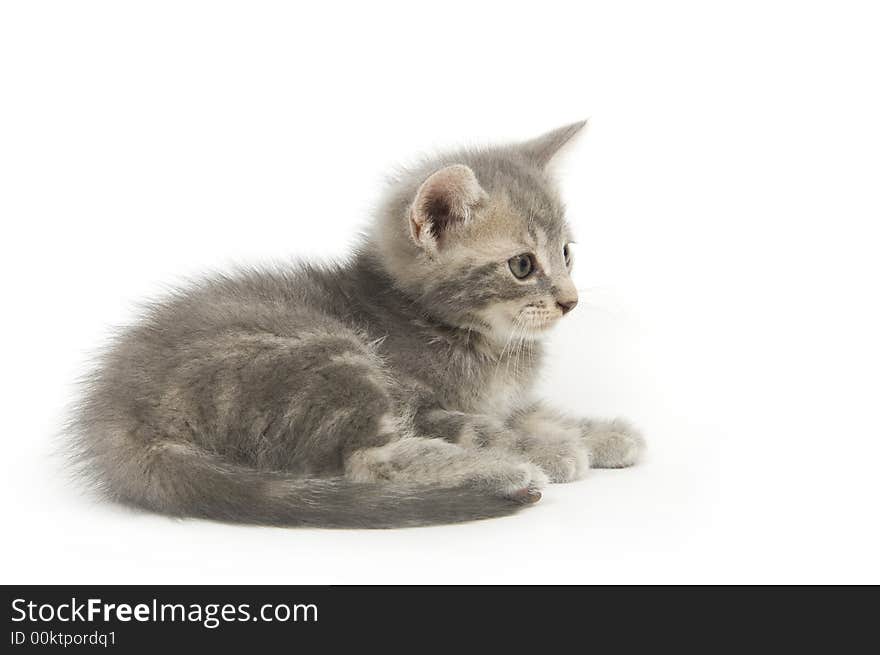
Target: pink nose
<point x="566" y="305"/>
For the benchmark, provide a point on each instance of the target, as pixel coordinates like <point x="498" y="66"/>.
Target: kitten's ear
<point x="447" y="197"/>
<point x="543" y="148"/>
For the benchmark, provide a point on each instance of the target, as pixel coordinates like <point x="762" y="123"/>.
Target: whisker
<point x="504" y="350"/>
<point x="518" y="330"/>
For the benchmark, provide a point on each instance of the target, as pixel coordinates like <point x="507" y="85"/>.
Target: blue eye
<point x="522" y="265"/>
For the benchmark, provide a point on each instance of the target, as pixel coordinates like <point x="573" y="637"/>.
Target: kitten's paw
<point x="563" y="459"/>
<point x="519" y="481"/>
<point x="613" y="444"/>
<point x="526" y="496"/>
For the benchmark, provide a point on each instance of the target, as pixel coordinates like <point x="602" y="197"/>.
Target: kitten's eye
<point x="521" y="266"/>
<point x="566" y="253"/>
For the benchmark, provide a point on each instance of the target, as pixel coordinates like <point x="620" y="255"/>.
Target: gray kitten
<point x="389" y="390"/>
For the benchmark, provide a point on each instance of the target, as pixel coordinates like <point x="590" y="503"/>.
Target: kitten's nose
<point x="566" y="305"/>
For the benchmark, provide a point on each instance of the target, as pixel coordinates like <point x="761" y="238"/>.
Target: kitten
<point x="389" y="390"/>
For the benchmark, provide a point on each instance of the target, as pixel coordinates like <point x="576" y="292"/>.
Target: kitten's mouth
<point x="538" y="325"/>
<point x="547" y="325"/>
<point x="528" y="324"/>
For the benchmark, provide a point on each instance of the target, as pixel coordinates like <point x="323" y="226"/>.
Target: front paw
<point x="613" y="444"/>
<point x="563" y="459"/>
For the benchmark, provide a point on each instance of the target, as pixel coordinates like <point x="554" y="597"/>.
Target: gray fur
<point x="392" y="389"/>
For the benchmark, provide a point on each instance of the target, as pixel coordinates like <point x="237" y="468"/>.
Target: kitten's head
<point x="479" y="239"/>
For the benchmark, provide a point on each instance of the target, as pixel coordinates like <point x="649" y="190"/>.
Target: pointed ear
<point x="447" y="197"/>
<point x="542" y="149"/>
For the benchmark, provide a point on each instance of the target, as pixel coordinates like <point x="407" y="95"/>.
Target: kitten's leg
<point x="468" y="430"/>
<point x="560" y="453"/>
<point x="611" y="444"/>
<point x="318" y="404"/>
<point x="434" y="462"/>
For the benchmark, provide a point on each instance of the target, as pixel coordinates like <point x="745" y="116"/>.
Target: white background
<point x="726" y="207"/>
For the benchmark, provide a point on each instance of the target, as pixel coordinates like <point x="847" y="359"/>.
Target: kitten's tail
<point x="183" y="480"/>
